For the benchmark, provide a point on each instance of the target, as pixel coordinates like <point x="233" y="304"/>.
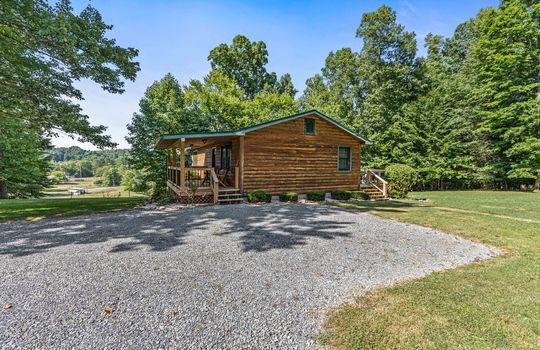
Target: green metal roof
<point x="243" y="131"/>
<point x="201" y="134"/>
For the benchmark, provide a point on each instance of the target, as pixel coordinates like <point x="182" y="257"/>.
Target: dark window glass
<point x="213" y="157"/>
<point x="344" y="158"/>
<point x="309" y="126"/>
<point x="226" y="157"/>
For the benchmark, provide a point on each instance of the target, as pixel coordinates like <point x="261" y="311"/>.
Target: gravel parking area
<point x="219" y="277"/>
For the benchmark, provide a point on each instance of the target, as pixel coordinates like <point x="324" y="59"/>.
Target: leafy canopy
<point x="44" y="50"/>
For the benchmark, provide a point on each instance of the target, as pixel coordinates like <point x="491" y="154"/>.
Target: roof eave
<point x="244" y="131"/>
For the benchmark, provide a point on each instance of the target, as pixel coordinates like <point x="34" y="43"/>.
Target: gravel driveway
<point x="220" y="277"/>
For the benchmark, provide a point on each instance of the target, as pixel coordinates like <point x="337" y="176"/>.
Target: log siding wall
<point x="282" y="158"/>
<point x="204" y="156"/>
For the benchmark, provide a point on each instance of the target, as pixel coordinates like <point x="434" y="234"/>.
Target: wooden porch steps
<point x="230" y="196"/>
<point x="373" y="192"/>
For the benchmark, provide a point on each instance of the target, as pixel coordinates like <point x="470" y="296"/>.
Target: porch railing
<point x="374" y="178"/>
<point x="195" y="180"/>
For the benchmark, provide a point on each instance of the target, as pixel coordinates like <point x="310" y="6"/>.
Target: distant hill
<point x="63" y="154"/>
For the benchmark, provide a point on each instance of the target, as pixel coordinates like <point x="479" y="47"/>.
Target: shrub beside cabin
<point x="302" y="153"/>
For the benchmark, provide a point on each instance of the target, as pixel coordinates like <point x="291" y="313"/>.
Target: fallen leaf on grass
<point x="8" y="306"/>
<point x="109" y="310"/>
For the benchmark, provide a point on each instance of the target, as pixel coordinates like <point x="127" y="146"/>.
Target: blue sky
<point x="176" y="36"/>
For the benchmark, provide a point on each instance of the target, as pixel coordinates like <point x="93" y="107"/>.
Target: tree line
<point x="467" y="115"/>
<point x="107" y="166"/>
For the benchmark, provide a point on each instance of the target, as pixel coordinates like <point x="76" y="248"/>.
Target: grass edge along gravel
<point x="36" y="209"/>
<point x="486" y="305"/>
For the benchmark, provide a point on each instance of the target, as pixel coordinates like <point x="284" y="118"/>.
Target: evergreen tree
<point x="506" y="62"/>
<point x="388" y="80"/>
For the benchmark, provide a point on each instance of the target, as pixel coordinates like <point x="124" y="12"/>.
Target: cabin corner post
<point x="173" y="164"/>
<point x="241" y="164"/>
<point x="360" y="165"/>
<point x="168" y="164"/>
<point x="182" y="165"/>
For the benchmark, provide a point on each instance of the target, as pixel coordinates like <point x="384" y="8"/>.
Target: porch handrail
<point x="384" y="189"/>
<point x="174" y="174"/>
<point x="378" y="177"/>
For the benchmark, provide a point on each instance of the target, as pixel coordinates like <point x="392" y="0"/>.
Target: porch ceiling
<point x="193" y="141"/>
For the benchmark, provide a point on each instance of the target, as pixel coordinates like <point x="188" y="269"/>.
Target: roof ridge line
<point x="243" y="131"/>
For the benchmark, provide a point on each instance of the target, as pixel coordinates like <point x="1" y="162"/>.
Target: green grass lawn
<point x="61" y="190"/>
<point x="35" y="209"/>
<point x="488" y="305"/>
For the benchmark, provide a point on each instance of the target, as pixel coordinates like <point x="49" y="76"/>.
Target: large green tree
<point x="44" y="49"/>
<point x="389" y="78"/>
<point x="506" y="62"/>
<point x="367" y="90"/>
<point x="442" y="140"/>
<point x="335" y="91"/>
<point x="161" y="111"/>
<point x="23" y="166"/>
<point x="244" y="61"/>
<point x="219" y="104"/>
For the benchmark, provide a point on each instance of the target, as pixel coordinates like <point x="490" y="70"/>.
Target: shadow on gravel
<point x="258" y="228"/>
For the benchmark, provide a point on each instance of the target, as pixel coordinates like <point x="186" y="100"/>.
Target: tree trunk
<point x="3" y="190"/>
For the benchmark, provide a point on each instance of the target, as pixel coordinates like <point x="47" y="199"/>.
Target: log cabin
<point x="304" y="152"/>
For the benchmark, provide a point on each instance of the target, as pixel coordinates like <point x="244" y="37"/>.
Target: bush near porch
<point x="316" y="196"/>
<point x="258" y="196"/>
<point x="288" y="197"/>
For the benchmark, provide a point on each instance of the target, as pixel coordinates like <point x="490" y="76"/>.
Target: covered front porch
<point x="204" y="168"/>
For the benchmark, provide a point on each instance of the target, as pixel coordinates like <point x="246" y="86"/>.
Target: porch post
<point x="168" y="164"/>
<point x="173" y="161"/>
<point x="182" y="165"/>
<point x="241" y="164"/>
<point x="173" y="156"/>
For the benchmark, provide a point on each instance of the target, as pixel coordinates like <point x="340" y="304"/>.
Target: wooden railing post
<point x="182" y="165"/>
<point x="236" y="177"/>
<point x="215" y="182"/>
<point x="241" y="170"/>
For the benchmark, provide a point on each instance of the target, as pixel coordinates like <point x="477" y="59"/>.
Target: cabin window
<point x="213" y="157"/>
<point x="309" y="126"/>
<point x="344" y="158"/>
<point x="226" y="155"/>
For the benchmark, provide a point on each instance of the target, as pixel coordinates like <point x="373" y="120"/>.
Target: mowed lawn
<point x="94" y="190"/>
<point x="489" y="305"/>
<point x="35" y="209"/>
